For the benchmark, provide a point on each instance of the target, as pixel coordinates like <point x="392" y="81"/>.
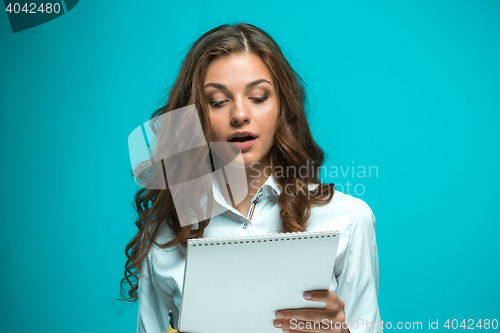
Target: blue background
<point x="411" y="87"/>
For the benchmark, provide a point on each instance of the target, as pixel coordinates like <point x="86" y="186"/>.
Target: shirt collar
<point x="270" y="182"/>
<point x="270" y="187"/>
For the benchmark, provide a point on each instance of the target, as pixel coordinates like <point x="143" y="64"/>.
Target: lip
<point x="241" y="134"/>
<point x="244" y="145"/>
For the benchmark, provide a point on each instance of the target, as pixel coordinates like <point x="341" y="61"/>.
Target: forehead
<point x="237" y="69"/>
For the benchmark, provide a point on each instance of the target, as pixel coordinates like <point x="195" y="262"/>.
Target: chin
<point x="251" y="161"/>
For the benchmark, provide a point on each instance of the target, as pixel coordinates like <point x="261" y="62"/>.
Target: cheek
<point x="269" y="131"/>
<point x="215" y="128"/>
<point x="271" y="122"/>
<point x="273" y="115"/>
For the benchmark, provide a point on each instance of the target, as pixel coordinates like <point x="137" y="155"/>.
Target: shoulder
<point x="162" y="259"/>
<point x="347" y="204"/>
<point x="344" y="212"/>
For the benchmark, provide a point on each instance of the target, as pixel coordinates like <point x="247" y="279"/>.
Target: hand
<point x="329" y="319"/>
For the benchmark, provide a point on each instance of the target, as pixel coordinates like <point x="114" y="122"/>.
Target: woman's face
<point x="243" y="105"/>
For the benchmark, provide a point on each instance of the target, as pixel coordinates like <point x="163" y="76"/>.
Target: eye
<point x="217" y="104"/>
<point x="258" y="100"/>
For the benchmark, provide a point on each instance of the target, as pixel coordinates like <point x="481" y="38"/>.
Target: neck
<point x="257" y="175"/>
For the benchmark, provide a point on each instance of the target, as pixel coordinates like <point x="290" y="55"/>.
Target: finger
<point x="329" y="297"/>
<point x="295" y="325"/>
<point x="305" y="314"/>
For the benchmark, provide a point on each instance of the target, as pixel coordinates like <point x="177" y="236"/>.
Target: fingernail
<point x="285" y="331"/>
<point x="307" y="295"/>
<point x="279" y="315"/>
<point x="277" y="324"/>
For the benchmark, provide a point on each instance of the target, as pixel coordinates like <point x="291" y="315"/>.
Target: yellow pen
<point x="170" y="321"/>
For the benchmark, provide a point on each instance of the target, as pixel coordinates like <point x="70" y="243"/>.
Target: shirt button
<point x="245" y="225"/>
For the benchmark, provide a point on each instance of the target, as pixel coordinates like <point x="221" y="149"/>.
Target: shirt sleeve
<point x="358" y="280"/>
<point x="155" y="300"/>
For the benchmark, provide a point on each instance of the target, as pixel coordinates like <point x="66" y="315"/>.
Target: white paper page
<point x="239" y="286"/>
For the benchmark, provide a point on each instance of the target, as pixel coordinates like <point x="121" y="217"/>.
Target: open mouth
<point x="242" y="139"/>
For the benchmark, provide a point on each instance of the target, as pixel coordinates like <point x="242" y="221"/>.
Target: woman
<point x="246" y="92"/>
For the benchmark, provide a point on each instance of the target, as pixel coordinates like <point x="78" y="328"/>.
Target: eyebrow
<point x="224" y="88"/>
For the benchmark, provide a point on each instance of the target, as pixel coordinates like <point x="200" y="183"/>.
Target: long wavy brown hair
<point x="294" y="146"/>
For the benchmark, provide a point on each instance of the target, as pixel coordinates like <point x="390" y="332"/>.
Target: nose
<point x="240" y="113"/>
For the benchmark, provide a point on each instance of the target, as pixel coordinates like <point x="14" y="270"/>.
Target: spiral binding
<point x="260" y="238"/>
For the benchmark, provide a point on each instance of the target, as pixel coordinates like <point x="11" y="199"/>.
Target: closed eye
<point x="258" y="100"/>
<point x="217" y="104"/>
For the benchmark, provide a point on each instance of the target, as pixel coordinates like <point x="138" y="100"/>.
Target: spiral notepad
<point x="236" y="284"/>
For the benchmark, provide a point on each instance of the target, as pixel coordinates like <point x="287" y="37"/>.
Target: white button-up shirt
<point x="355" y="278"/>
